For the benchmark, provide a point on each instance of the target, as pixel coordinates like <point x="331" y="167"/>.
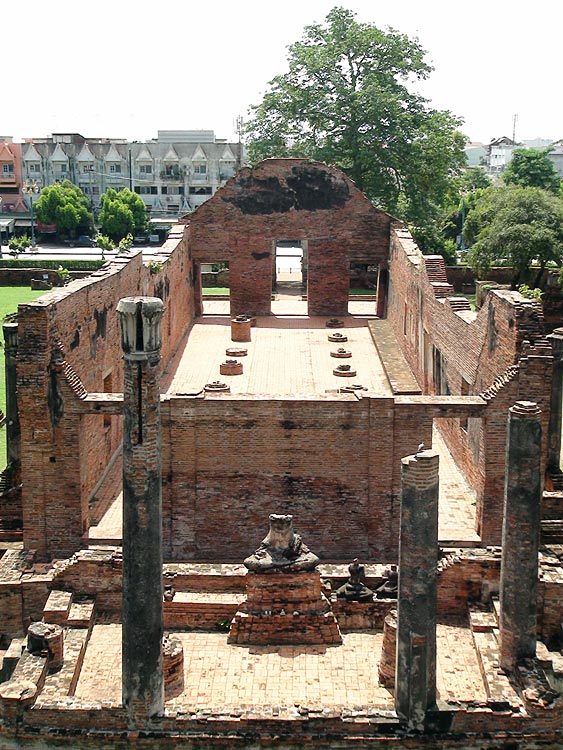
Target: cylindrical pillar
<point x="520" y="536"/>
<point x="143" y="680"/>
<point x="240" y="328"/>
<point x="554" y="455"/>
<point x="13" y="435"/>
<point x="415" y="678"/>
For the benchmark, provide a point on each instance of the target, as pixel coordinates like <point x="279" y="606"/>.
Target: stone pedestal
<point x="230" y="367"/>
<point x="388" y="651"/>
<point x="284" y="600"/>
<point x="284" y="608"/>
<point x="520" y="536"/>
<point x="47" y="638"/>
<point x="240" y="328"/>
<point x="173" y="666"/>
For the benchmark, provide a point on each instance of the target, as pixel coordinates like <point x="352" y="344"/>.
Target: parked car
<point x="83" y="240"/>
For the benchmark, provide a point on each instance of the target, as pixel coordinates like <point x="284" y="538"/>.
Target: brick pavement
<point x="217" y="675"/>
<point x="287" y="356"/>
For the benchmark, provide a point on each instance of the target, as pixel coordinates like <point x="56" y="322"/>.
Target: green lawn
<point x="215" y="290"/>
<point x="10" y="297"/>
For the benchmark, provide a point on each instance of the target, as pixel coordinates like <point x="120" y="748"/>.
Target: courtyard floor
<point x="218" y="675"/>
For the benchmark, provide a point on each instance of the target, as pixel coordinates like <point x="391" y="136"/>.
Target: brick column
<point x="143" y="680"/>
<point x="520" y="536"/>
<point x="554" y="454"/>
<point x="13" y="435"/>
<point x="415" y="680"/>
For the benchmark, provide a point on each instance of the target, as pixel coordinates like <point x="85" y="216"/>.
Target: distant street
<point x="64" y="252"/>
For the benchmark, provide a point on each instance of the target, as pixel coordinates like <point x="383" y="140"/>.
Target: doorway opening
<point x="363" y="286"/>
<point x="215" y="283"/>
<point x="289" y="278"/>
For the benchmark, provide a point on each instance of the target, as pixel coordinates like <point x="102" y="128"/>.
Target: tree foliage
<point x="515" y="226"/>
<point x="66" y="206"/>
<point x="531" y="168"/>
<point x="123" y="212"/>
<point x="347" y="100"/>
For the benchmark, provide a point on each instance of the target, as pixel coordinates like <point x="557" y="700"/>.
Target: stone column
<point x="520" y="536"/>
<point x="554" y="455"/>
<point x="415" y="678"/>
<point x="13" y="435"/>
<point x="143" y="680"/>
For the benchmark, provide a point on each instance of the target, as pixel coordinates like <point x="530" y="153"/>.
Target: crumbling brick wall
<point x="281" y="199"/>
<point x="334" y="463"/>
<point x="64" y="454"/>
<point x="466" y="353"/>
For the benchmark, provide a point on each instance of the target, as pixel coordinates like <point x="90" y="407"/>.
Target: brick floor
<point x="286" y="356"/>
<point x="217" y="675"/>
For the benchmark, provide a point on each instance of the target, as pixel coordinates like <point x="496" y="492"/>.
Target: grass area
<point x="10" y="297"/>
<point x="364" y="292"/>
<point x="469" y="297"/>
<point x="215" y="290"/>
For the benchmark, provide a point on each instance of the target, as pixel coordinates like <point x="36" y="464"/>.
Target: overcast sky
<point x="128" y="69"/>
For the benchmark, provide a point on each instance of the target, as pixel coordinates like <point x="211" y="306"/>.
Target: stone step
<point x="552" y="531"/>
<point x="11" y="658"/>
<point x="501" y="696"/>
<point x="57" y="607"/>
<point x="81" y="614"/>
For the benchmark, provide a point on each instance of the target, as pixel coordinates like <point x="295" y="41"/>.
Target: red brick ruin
<point x="152" y="433"/>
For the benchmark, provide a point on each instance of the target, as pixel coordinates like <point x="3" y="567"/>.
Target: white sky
<point x="128" y="69"/>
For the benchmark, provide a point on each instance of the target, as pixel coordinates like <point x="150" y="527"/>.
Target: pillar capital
<point x="139" y="318"/>
<point x="525" y="410"/>
<point x="10" y="331"/>
<point x="556" y="340"/>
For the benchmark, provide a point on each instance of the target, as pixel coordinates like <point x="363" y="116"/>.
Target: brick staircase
<point x="437" y="276"/>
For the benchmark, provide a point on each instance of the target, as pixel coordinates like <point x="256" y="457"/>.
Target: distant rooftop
<point x="186" y="136"/>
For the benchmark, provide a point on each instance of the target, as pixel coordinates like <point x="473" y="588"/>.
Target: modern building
<point x="173" y="173"/>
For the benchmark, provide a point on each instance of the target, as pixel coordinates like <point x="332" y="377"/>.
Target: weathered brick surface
<point x="289" y="199"/>
<point x="476" y="353"/>
<point x="330" y="462"/>
<point x="64" y="454"/>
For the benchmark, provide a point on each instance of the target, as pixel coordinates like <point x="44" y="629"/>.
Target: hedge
<point x="71" y="265"/>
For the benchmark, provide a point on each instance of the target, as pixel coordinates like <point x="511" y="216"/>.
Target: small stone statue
<point x="355" y="590"/>
<point x="390" y="587"/>
<point x="169" y="593"/>
<point x="282" y="548"/>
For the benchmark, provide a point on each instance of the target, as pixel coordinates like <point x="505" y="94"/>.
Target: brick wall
<point x="296" y="199"/>
<point x="467" y="353"/>
<point x="331" y="462"/>
<point x="64" y="454"/>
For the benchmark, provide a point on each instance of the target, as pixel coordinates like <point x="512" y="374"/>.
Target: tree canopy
<point x="515" y="226"/>
<point x="531" y="168"/>
<point x="123" y="212"/>
<point x="65" y="205"/>
<point x="347" y="100"/>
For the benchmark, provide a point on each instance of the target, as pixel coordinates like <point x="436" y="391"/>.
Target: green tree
<point x="123" y="212"/>
<point x="530" y="167"/>
<point x="66" y="206"/>
<point x="515" y="226"/>
<point x="346" y="100"/>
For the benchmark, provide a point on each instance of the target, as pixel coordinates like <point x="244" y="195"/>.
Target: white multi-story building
<point x="173" y="173"/>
